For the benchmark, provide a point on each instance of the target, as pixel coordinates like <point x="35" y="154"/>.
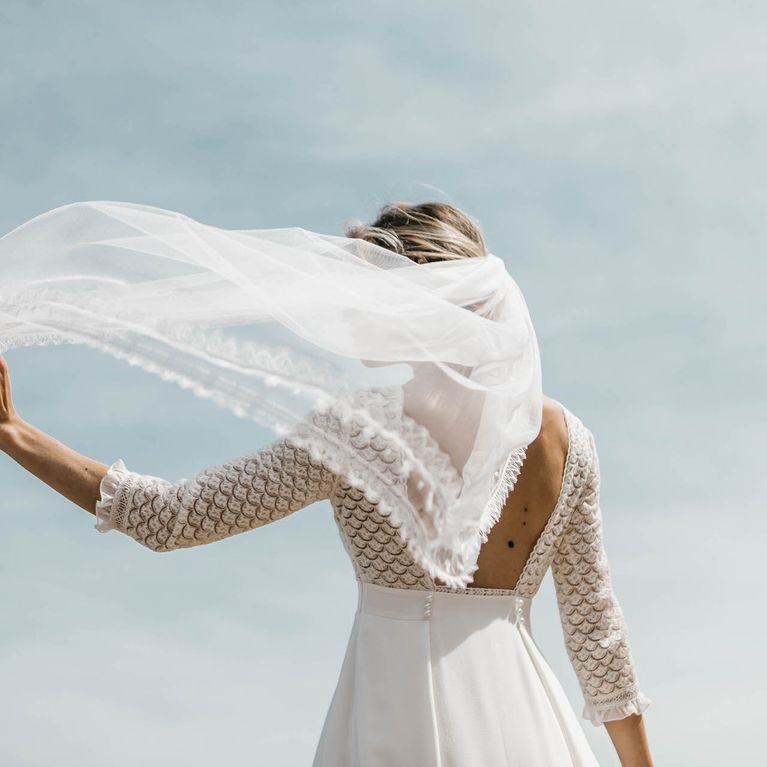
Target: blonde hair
<point x="426" y="231"/>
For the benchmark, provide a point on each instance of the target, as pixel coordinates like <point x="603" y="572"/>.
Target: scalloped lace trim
<point x="608" y="711"/>
<point x="480" y="591"/>
<point x="108" y="514"/>
<point x="508" y="479"/>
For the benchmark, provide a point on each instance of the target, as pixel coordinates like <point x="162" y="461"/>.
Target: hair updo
<point x="426" y="231"/>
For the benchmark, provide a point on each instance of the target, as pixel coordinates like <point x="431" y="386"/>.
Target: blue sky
<point x="613" y="154"/>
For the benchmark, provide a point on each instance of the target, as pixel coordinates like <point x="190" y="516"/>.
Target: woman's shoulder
<point x="554" y="424"/>
<point x="563" y="429"/>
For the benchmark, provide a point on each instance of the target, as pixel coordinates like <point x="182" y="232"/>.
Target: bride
<point x="451" y="517"/>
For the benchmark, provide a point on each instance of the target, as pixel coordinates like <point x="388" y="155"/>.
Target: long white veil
<point x="416" y="382"/>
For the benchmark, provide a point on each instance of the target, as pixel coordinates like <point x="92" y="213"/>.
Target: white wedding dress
<point x="432" y="676"/>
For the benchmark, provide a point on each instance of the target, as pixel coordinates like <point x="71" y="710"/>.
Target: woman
<point x="434" y="674"/>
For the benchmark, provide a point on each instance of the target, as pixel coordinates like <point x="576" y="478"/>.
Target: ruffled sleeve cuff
<point x="598" y="713"/>
<point x="106" y="516"/>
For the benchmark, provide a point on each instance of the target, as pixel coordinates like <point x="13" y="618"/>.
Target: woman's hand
<point x="7" y="411"/>
<point x="8" y="415"/>
<point x="75" y="476"/>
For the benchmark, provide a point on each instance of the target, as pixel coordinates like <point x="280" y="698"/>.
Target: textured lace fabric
<point x="595" y="630"/>
<point x="271" y="483"/>
<point x="216" y="503"/>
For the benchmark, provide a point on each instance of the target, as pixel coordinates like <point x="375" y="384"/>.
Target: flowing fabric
<point x="438" y="362"/>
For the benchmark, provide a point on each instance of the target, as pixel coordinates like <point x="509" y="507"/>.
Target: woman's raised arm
<point x="218" y="502"/>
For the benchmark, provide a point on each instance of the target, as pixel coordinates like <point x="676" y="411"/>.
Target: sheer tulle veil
<point x="419" y="383"/>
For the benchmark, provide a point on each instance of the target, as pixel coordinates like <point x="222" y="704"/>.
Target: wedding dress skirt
<point x="443" y="679"/>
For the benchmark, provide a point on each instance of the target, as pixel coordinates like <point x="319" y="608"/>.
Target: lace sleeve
<point x="218" y="502"/>
<point x="595" y="631"/>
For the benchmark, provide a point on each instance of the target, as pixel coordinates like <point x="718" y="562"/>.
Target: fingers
<point x="7" y="411"/>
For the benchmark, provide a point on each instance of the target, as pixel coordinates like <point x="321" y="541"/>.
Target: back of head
<point x="426" y="231"/>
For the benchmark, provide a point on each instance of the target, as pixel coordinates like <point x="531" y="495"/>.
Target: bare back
<point x="529" y="505"/>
